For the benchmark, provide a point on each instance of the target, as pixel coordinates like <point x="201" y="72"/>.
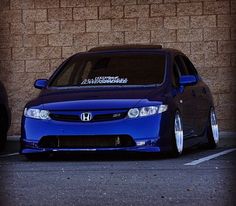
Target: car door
<point x="201" y="103"/>
<point x="186" y="98"/>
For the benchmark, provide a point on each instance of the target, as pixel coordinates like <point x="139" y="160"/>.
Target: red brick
<point x="22" y="28"/>
<point x="83" y="39"/>
<point x="22" y="4"/>
<point x="132" y="11"/>
<point x="124" y="24"/>
<point x="54" y="64"/>
<point x="9" y="16"/>
<point x="72" y="3"/>
<point x="47" y="27"/>
<point x="12" y="66"/>
<point x="5" y="54"/>
<point x="163" y="10"/>
<point x="189" y="35"/>
<point x="85" y="13"/>
<point x="233" y="33"/>
<point x="149" y="1"/>
<point x="146" y="24"/>
<point x="217" y="7"/>
<point x="227" y="46"/>
<point x="163" y="35"/>
<point x="5" y="5"/>
<point x="137" y="37"/>
<point x="226" y="74"/>
<point x="216" y="34"/>
<point x="98" y="3"/>
<point x="111" y="38"/>
<point x="226" y="21"/>
<point x="217" y="60"/>
<point x="111" y="12"/>
<point x="184" y="47"/>
<point x="203" y="21"/>
<point x="35" y="15"/>
<point x="35" y="40"/>
<point x="23" y="53"/>
<point x="203" y="47"/>
<point x="60" y="39"/>
<point x="48" y="52"/>
<point x="198" y="60"/>
<point x="233" y="59"/>
<point x="46" y="3"/>
<point x="189" y="9"/>
<point x="233" y="7"/>
<point x="7" y="41"/>
<point x="60" y="14"/>
<point x="37" y="65"/>
<point x="72" y="27"/>
<point x="70" y="50"/>
<point x="122" y="2"/>
<point x="5" y="28"/>
<point x="176" y="22"/>
<point x="98" y="25"/>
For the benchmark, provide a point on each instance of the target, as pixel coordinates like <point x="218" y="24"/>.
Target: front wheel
<point x="178" y="137"/>
<point x="212" y="130"/>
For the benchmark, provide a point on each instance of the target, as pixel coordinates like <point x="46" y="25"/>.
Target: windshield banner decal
<point x="105" y="80"/>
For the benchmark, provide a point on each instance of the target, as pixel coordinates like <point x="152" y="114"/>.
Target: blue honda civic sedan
<point x="135" y="98"/>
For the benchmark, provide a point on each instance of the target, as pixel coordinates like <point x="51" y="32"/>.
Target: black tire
<point x="3" y="129"/>
<point x="177" y="137"/>
<point x="212" y="130"/>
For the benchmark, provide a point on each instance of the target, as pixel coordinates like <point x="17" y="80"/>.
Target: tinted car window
<point x="189" y="66"/>
<point x="181" y="66"/>
<point x="111" y="69"/>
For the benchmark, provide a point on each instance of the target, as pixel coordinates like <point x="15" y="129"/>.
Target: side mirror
<point x="40" y="83"/>
<point x="187" y="80"/>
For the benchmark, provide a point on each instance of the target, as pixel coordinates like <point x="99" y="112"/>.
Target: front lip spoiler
<point x="128" y="149"/>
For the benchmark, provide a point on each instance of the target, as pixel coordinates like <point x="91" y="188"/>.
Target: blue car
<point x="5" y="116"/>
<point x="136" y="98"/>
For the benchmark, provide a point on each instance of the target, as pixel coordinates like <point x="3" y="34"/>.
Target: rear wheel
<point x="178" y="137"/>
<point x="212" y="130"/>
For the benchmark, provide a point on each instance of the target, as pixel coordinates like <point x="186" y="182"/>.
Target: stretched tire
<point x="178" y="137"/>
<point x="212" y="130"/>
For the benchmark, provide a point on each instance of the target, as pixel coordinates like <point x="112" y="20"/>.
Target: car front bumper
<point x="145" y="133"/>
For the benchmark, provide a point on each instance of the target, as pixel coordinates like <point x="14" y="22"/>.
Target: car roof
<point x="133" y="47"/>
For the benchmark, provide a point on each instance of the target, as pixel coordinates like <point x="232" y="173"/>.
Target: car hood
<point x="92" y="98"/>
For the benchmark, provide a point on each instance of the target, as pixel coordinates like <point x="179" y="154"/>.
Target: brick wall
<point x="36" y="35"/>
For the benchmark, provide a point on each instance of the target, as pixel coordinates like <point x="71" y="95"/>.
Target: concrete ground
<point x="198" y="177"/>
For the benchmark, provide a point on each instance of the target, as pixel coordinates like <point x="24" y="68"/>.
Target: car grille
<point x="96" y="118"/>
<point x="88" y="141"/>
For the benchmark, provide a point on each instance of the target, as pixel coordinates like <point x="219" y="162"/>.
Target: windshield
<point x="111" y="69"/>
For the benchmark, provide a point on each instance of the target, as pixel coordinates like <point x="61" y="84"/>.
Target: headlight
<point x="133" y="113"/>
<point x="146" y="111"/>
<point x="36" y="113"/>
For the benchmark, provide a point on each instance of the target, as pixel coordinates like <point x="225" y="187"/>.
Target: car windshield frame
<point x="68" y="61"/>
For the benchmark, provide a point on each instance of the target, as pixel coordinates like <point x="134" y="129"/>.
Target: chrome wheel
<point x="214" y="126"/>
<point x="179" y="137"/>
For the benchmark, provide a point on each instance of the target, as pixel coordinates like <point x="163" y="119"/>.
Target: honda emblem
<point x="86" y="116"/>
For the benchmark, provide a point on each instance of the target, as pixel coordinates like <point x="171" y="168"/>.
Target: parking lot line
<point x="9" y="155"/>
<point x="204" y="159"/>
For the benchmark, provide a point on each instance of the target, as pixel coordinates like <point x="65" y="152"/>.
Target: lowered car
<point x="5" y="116"/>
<point x="136" y="98"/>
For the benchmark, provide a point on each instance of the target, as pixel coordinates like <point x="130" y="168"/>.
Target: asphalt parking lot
<point x="199" y="177"/>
